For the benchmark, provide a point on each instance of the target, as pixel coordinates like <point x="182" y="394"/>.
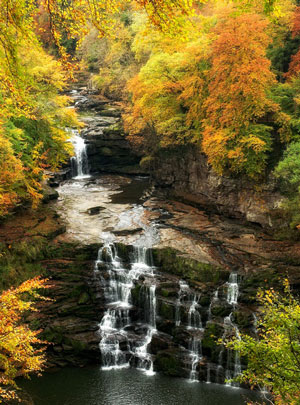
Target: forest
<point x="211" y="84"/>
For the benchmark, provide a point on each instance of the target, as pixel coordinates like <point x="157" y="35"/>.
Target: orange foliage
<point x="239" y="78"/>
<point x="294" y="66"/>
<point x="21" y="351"/>
<point x="240" y="72"/>
<point x="296" y="23"/>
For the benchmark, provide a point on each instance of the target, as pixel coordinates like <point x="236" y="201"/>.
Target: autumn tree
<point x="273" y="358"/>
<point x="21" y="351"/>
<point x="294" y="66"/>
<point x="236" y="134"/>
<point x="167" y="95"/>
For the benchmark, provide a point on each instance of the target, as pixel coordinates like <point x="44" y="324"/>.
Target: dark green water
<point x="91" y="386"/>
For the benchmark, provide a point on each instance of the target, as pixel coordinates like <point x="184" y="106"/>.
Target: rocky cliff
<point x="184" y="171"/>
<point x="107" y="147"/>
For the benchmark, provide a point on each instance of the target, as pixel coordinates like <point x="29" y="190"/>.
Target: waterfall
<point x="215" y="298"/>
<point x="208" y="381"/>
<point x="119" y="348"/>
<point x="194" y="317"/>
<point x="233" y="289"/>
<point x="183" y="289"/>
<point x="79" y="162"/>
<point x="116" y="317"/>
<point x="195" y="348"/>
<point x="233" y="364"/>
<point x="145" y="362"/>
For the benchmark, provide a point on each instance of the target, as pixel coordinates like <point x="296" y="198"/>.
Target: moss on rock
<point x="170" y="261"/>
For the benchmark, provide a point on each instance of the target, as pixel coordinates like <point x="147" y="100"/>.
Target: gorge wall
<point x="184" y="171"/>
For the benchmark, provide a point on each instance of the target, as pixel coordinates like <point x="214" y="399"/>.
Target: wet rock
<point x="211" y="347"/>
<point x="95" y="210"/>
<point x="221" y="309"/>
<point x="186" y="172"/>
<point x="126" y="232"/>
<point x="170" y="363"/>
<point x="49" y="194"/>
<point x="243" y="317"/>
<point x="159" y="342"/>
<point x="166" y="310"/>
<point x="170" y="260"/>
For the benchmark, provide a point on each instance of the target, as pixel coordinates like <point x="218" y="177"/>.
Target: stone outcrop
<point x="187" y="175"/>
<point x="107" y="147"/>
<point x="70" y="320"/>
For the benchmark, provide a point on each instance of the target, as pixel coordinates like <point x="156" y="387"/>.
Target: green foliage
<point x="288" y="173"/>
<point x="33" y="138"/>
<point x="280" y="53"/>
<point x="21" y="261"/>
<point x="274" y="358"/>
<point x="289" y="168"/>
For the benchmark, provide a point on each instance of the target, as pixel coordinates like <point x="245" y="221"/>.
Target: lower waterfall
<point x="120" y="346"/>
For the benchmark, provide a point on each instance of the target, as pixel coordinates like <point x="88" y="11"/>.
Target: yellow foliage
<point x="21" y="351"/>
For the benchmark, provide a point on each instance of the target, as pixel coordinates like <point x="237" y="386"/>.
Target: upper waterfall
<point x="79" y="162"/>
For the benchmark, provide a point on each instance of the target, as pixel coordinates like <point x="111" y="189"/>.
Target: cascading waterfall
<point x="195" y="348"/>
<point x="183" y="289"/>
<point x="145" y="362"/>
<point x="194" y="317"/>
<point x="194" y="325"/>
<point x="233" y="289"/>
<point x="215" y="298"/>
<point x="236" y="361"/>
<point x="118" y="348"/>
<point x="125" y="341"/>
<point x="116" y="316"/>
<point x="233" y="358"/>
<point x="79" y="162"/>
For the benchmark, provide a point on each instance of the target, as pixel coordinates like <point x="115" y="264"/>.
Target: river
<point x="150" y="317"/>
<point x="92" y="386"/>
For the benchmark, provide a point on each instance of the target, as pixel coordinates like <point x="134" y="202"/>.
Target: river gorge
<point x="146" y="283"/>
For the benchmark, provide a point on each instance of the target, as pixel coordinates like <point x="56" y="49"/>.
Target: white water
<point x="183" y="290"/>
<point x="233" y="289"/>
<point x="194" y="317"/>
<point x="79" y="162"/>
<point x="195" y="347"/>
<point x="118" y="348"/>
<point x="233" y="357"/>
<point x="215" y="298"/>
<point x="190" y="302"/>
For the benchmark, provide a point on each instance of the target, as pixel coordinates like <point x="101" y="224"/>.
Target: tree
<point x="21" y="351"/>
<point x="167" y="95"/>
<point x="273" y="359"/>
<point x="235" y="137"/>
<point x="294" y="66"/>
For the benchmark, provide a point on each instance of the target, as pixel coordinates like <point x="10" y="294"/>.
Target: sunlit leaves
<point x="238" y="82"/>
<point x="274" y="356"/>
<point x="33" y="118"/>
<point x="21" y="351"/>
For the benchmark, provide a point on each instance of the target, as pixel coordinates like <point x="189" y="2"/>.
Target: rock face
<point x="70" y="320"/>
<point x="194" y="307"/>
<point x="107" y="147"/>
<point x="187" y="175"/>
